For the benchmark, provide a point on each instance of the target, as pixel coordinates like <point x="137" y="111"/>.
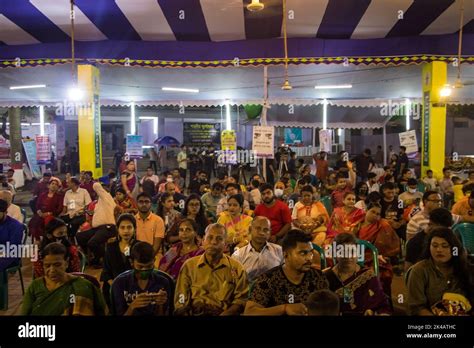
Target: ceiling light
<point x="75" y="93"/>
<point x="445" y="91"/>
<point x="255" y="6"/>
<point x="332" y="86"/>
<point x="187" y="90"/>
<point x="28" y="87"/>
<point x="286" y="86"/>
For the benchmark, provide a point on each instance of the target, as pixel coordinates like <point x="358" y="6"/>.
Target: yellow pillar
<point x="90" y="144"/>
<point x="434" y="77"/>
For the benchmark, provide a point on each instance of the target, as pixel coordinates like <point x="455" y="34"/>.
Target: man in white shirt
<point x="150" y="175"/>
<point x="75" y="203"/>
<point x="13" y="210"/>
<point x="259" y="255"/>
<point x="372" y="182"/>
<point x="182" y="162"/>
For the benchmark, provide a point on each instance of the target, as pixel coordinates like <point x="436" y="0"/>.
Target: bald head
<point x="260" y="230"/>
<point x="6" y="196"/>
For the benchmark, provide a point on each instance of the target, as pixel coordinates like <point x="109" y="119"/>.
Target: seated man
<point x="212" y="198"/>
<point x="231" y="189"/>
<point x="323" y="303"/>
<point x="75" y="202"/>
<point x="13" y="210"/>
<point x="11" y="233"/>
<point x="283" y="290"/>
<point x="212" y="283"/>
<point x="142" y="291"/>
<point x="46" y="295"/>
<point x="411" y="195"/>
<point x="259" y="256"/>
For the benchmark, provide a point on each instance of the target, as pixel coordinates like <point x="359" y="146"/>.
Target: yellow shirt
<point x="150" y="228"/>
<point x="222" y="286"/>
<point x="458" y="194"/>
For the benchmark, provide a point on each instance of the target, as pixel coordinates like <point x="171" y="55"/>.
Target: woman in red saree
<point x="129" y="180"/>
<point x="379" y="232"/>
<point x="346" y="219"/>
<point x="48" y="206"/>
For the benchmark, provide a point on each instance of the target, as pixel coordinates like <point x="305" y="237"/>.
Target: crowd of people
<point x="212" y="244"/>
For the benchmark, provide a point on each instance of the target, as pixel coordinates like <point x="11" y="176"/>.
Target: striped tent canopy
<point x="209" y="33"/>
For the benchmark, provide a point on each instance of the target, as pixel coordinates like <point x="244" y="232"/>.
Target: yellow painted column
<point x="90" y="143"/>
<point x="434" y="77"/>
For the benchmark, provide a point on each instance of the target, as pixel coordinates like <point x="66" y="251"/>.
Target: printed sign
<point x="262" y="141"/>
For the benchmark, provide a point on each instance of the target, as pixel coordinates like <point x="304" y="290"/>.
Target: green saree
<point x="75" y="297"/>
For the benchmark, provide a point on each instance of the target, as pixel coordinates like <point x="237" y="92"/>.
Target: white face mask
<point x="412" y="190"/>
<point x="278" y="192"/>
<point x="169" y="179"/>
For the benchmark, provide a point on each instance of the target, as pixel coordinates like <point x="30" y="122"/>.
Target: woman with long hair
<point x="236" y="223"/>
<point x="442" y="282"/>
<point x="379" y="232"/>
<point x="345" y="219"/>
<point x="129" y="180"/>
<point x="169" y="215"/>
<point x="186" y="248"/>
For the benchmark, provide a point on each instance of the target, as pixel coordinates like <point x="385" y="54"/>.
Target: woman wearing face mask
<point x="310" y="215"/>
<point x="236" y="223"/>
<point x="279" y="190"/>
<point x="442" y="283"/>
<point x="48" y="206"/>
<point x="345" y="219"/>
<point x="141" y="290"/>
<point x="117" y="252"/>
<point x="56" y="231"/>
<point x="379" y="232"/>
<point x="358" y="288"/>
<point x="175" y="257"/>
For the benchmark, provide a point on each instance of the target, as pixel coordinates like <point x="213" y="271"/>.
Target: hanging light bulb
<point x="286" y="86"/>
<point x="255" y="6"/>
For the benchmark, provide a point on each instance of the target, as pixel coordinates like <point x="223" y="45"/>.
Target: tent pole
<point x="264" y="113"/>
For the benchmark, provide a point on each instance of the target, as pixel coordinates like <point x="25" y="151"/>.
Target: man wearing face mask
<point x="411" y="195"/>
<point x="280" y="191"/>
<point x="142" y="290"/>
<point x="276" y="211"/>
<point x="284" y="289"/>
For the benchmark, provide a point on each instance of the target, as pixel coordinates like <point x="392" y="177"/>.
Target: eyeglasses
<point x="144" y="202"/>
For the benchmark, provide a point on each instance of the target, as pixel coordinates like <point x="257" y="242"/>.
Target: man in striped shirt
<point x="419" y="222"/>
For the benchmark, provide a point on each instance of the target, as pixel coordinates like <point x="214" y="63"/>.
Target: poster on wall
<point x="201" y="134"/>
<point x="30" y="150"/>
<point x="229" y="146"/>
<point x="43" y="149"/>
<point x="262" y="141"/>
<point x="325" y="140"/>
<point x="293" y="136"/>
<point x="134" y="146"/>
<point x="4" y="149"/>
<point x="408" y="139"/>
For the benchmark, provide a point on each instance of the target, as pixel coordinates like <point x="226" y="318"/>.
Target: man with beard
<point x="212" y="283"/>
<point x="276" y="211"/>
<point x="150" y="227"/>
<point x="284" y="289"/>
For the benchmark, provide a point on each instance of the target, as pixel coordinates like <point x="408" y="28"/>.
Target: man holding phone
<point x="142" y="290"/>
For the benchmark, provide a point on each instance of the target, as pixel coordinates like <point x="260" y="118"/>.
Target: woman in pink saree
<point x="345" y="219"/>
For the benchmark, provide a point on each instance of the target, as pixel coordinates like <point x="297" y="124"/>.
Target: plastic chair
<point x="88" y="277"/>
<point x="322" y="256"/>
<point x="465" y="232"/>
<point x="11" y="270"/>
<point x="23" y="213"/>
<point x="407" y="274"/>
<point x="375" y="254"/>
<point x="326" y="201"/>
<point x="83" y="259"/>
<point x="421" y="187"/>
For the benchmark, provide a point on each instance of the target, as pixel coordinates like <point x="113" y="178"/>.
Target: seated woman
<point x="236" y="223"/>
<point x="359" y="290"/>
<point x="117" y="252"/>
<point x="279" y="190"/>
<point x="194" y="210"/>
<point x="56" y="232"/>
<point x="124" y="204"/>
<point x="175" y="257"/>
<point x="166" y="210"/>
<point x="61" y="293"/>
<point x="361" y="191"/>
<point x="440" y="275"/>
<point x="310" y="215"/>
<point x="379" y="232"/>
<point x="346" y="219"/>
<point x="48" y="206"/>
